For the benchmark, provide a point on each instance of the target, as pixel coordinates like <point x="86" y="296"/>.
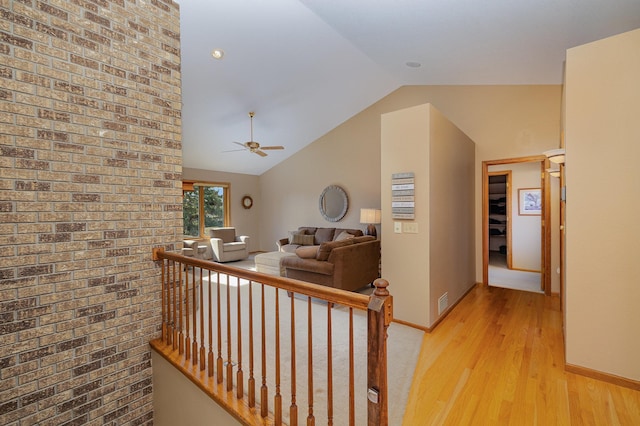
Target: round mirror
<point x="333" y="203"/>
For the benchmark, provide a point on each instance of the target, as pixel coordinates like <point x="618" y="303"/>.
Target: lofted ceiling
<point x="306" y="66"/>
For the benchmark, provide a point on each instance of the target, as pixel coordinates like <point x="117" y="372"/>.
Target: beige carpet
<point x="403" y="349"/>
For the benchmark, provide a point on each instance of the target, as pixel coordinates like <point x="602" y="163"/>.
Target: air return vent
<point x="443" y="303"/>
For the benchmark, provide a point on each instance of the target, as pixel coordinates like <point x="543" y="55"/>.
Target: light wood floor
<point x="498" y="359"/>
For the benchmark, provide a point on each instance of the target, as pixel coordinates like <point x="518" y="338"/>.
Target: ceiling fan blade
<point x="234" y="150"/>
<point x="241" y="144"/>
<point x="272" y="147"/>
<point x="260" y="153"/>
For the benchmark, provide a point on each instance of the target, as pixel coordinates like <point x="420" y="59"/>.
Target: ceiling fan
<point x="254" y="146"/>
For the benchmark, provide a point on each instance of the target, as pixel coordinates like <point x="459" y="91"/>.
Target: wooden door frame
<point x="545" y="232"/>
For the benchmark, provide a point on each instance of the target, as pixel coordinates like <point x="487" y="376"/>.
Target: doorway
<point x="515" y="236"/>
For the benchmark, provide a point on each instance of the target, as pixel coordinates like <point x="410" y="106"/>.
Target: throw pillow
<point x="303" y="240"/>
<point x="292" y="233"/>
<point x="324" y="234"/>
<point x="307" y="252"/>
<point x="325" y="248"/>
<point x="344" y="235"/>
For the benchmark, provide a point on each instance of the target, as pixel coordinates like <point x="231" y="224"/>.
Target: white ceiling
<point x="305" y="66"/>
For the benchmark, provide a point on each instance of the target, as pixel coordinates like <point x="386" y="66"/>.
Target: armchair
<point x="226" y="246"/>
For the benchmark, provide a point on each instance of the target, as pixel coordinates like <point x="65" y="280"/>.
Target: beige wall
<point x="406" y="257"/>
<point x="176" y="401"/>
<point x="503" y="121"/>
<point x="451" y="212"/>
<point x="439" y="258"/>
<point x="602" y="226"/>
<point x="246" y="221"/>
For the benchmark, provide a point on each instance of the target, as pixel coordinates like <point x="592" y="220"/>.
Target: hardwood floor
<point x="498" y="358"/>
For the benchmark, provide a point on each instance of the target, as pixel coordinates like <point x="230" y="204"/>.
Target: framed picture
<point x="529" y="201"/>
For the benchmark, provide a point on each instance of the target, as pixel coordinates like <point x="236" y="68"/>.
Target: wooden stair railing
<point x="206" y="339"/>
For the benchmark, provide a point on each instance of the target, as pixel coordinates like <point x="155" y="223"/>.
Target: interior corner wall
<point x="602" y="226"/>
<point x="451" y="213"/>
<point x="440" y="257"/>
<point x="405" y="257"/>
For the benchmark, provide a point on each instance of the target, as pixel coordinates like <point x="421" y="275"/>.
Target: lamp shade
<point x="555" y="155"/>
<point x="553" y="172"/>
<point x="370" y="215"/>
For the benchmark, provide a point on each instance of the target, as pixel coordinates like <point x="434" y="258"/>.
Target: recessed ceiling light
<point x="412" y="64"/>
<point x="217" y="53"/>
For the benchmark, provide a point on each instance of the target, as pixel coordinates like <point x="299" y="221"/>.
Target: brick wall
<point x="90" y="170"/>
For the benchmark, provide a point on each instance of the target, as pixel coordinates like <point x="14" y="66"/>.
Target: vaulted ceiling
<point x="305" y="66"/>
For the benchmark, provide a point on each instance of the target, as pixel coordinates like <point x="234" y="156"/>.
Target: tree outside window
<point x="204" y="206"/>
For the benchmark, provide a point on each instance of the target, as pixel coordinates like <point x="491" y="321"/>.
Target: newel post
<point x="380" y="314"/>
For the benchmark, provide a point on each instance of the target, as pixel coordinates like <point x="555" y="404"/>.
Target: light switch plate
<point x="397" y="227"/>
<point x="410" y="228"/>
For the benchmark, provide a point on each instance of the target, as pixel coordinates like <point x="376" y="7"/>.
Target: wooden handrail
<point x="329" y="294"/>
<point x="188" y="325"/>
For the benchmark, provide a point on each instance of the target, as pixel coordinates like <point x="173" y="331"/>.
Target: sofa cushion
<point x="309" y="230"/>
<point x="344" y="235"/>
<point x="307" y="252"/>
<point x="363" y="238"/>
<point x="303" y="239"/>
<point x="235" y="246"/>
<point x="302" y="267"/>
<point x="325" y="248"/>
<point x="356" y="232"/>
<point x="324" y="234"/>
<point x="292" y="233"/>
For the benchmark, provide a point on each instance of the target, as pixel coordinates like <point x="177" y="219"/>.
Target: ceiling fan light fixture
<point x="217" y="54"/>
<point x="253" y="146"/>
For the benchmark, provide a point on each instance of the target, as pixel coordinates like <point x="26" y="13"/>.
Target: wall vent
<point x="443" y="303"/>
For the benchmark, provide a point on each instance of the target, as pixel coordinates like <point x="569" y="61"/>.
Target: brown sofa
<point x="347" y="263"/>
<point x="320" y="235"/>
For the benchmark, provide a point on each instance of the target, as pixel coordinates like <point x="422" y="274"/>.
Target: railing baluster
<point x="187" y="340"/>
<point x="293" y="410"/>
<point x="239" y="374"/>
<point x="169" y="340"/>
<point x="202" y="343"/>
<point x="311" y="420"/>
<point x="352" y="367"/>
<point x="174" y="323"/>
<point x="219" y="327"/>
<point x="210" y="358"/>
<point x="277" y="400"/>
<point x="264" y="390"/>
<point x="329" y="367"/>
<point x="229" y="361"/>
<point x="194" y="305"/>
<point x="162" y="306"/>
<point x="252" y="380"/>
<point x="180" y="333"/>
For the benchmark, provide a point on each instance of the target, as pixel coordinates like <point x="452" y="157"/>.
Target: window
<point x="204" y="206"/>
